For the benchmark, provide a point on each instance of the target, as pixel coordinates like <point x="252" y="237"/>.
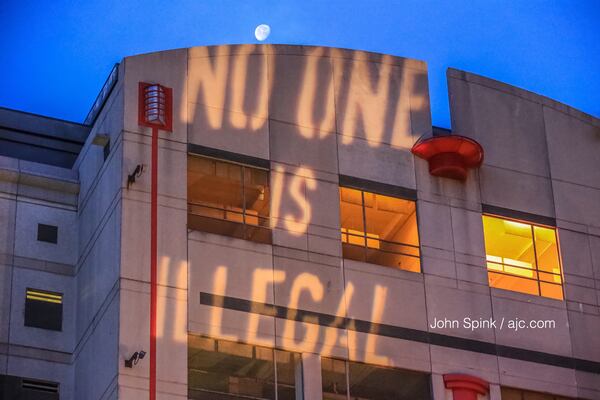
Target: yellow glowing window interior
<point x="522" y="257"/>
<point x="379" y="229"/>
<point x="44" y="296"/>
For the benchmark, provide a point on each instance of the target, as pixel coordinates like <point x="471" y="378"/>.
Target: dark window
<point x="352" y="380"/>
<point x="518" y="394"/>
<point x="228" y="199"/>
<point x="106" y="150"/>
<point x="43" y="309"/>
<point x="13" y="387"/>
<point x="223" y="370"/>
<point x="47" y="233"/>
<point x="379" y="229"/>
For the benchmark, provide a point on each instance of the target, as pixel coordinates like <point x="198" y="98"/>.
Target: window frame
<point x="526" y="392"/>
<point x="273" y="351"/>
<point x="532" y="225"/>
<point x="243" y="167"/>
<point x="427" y="375"/>
<point x="383" y="190"/>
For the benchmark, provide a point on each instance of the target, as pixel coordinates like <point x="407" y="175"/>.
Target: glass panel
<point x="288" y="373"/>
<point x="515" y="264"/>
<point x="510" y="245"/>
<point x="333" y="379"/>
<point x="514" y="283"/>
<point x="395" y="255"/>
<point x="376" y="383"/>
<point x="353" y="252"/>
<point x="256" y="193"/>
<point x="551" y="290"/>
<point x="510" y="252"/>
<point x="213" y="225"/>
<point x="547" y="252"/>
<point x="390" y="219"/>
<point x="258" y="234"/>
<point x="396" y="260"/>
<point x="351" y="216"/>
<point x="380" y="257"/>
<point x="217" y="185"/>
<point x="223" y="196"/>
<point x="518" y="394"/>
<point x="511" y="394"/>
<point x="256" y="197"/>
<point x="228" y="370"/>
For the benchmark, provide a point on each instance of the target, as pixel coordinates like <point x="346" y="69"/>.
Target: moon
<point x="262" y="32"/>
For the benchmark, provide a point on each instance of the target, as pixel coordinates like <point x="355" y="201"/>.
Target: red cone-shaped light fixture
<point x="465" y="387"/>
<point x="449" y="156"/>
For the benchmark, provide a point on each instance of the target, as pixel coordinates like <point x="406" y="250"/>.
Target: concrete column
<point x="495" y="393"/>
<point x="438" y="388"/>
<point x="311" y="377"/>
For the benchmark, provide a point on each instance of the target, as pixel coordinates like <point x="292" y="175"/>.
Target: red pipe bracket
<point x="465" y="387"/>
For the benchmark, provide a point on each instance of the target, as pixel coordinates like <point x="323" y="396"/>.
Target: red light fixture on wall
<point x="465" y="387"/>
<point x="155" y="108"/>
<point x="449" y="156"/>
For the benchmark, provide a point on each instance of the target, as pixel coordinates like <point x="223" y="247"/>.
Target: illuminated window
<point x="228" y="199"/>
<point x="522" y="257"/>
<point x="43" y="309"/>
<point x="219" y="369"/>
<point x="379" y="229"/>
<point x="518" y="394"/>
<point x="345" y="380"/>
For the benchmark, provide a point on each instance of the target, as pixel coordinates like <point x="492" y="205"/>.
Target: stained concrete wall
<point x="283" y="103"/>
<point x="99" y="219"/>
<point x="84" y="204"/>
<point x="32" y="193"/>
<point x="540" y="158"/>
<point x="317" y="113"/>
<point x="169" y="69"/>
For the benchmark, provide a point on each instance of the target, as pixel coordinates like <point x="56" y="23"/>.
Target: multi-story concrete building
<point x="309" y="235"/>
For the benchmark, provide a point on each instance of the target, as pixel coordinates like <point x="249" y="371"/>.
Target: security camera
<point x="135" y="357"/>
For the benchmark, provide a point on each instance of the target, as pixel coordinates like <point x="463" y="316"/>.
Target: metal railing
<point x="107" y="88"/>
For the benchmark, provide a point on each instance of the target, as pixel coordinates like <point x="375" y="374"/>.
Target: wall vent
<point x="40" y="386"/>
<point x="47" y="233"/>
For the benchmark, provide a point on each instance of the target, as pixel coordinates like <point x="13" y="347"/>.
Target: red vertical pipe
<point x="153" y="260"/>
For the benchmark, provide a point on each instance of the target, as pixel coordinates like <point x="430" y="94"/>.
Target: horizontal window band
<point x="518" y="215"/>
<point x="44" y="299"/>
<point x="224" y="155"/>
<point x="415" y="335"/>
<point x="377" y="187"/>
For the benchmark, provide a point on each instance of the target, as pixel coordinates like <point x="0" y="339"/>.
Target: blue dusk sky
<point x="55" y="55"/>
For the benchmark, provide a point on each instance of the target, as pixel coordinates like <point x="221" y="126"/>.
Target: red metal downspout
<point x="158" y="104"/>
<point x="153" y="260"/>
<point x="465" y="387"/>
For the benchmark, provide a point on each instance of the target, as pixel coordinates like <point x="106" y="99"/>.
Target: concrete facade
<point x="314" y="114"/>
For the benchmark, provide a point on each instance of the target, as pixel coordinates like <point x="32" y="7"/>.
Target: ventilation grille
<point x="40" y="386"/>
